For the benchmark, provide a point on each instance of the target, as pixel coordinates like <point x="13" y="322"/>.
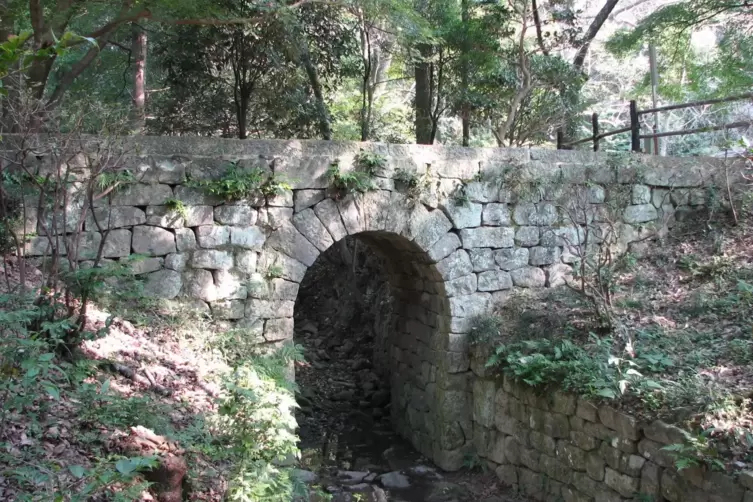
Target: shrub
<point x="238" y="183"/>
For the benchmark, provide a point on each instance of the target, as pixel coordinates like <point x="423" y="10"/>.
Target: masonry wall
<point x="558" y="447"/>
<point x="449" y="262"/>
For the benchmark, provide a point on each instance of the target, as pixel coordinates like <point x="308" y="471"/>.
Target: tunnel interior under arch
<point x="372" y="315"/>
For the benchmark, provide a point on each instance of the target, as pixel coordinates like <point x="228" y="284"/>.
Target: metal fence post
<point x="595" y="127"/>
<point x="635" y="127"/>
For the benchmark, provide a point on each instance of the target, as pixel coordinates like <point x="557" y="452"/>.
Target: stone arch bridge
<point x="488" y="222"/>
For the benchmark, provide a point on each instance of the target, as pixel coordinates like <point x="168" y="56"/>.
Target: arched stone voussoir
<point x="309" y="225"/>
<point x="288" y="240"/>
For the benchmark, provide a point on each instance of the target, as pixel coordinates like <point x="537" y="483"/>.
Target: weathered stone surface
<point x="444" y="247"/>
<point x="507" y="474"/>
<point x="210" y="236"/>
<point x="200" y="284"/>
<point x="176" y="261"/>
<point x="543" y="256"/>
<point x="541" y="214"/>
<point x="640" y="213"/>
<point x="288" y="268"/>
<point x="555" y="469"/>
<point x="245" y="261"/>
<point x="432" y="228"/>
<point x="542" y="443"/>
<point x="329" y="215"/>
<point x="252" y="238"/>
<point x="114" y="217"/>
<point x="558" y="274"/>
<point x="241" y="215"/>
<point x="641" y="194"/>
<point x="595" y="466"/>
<point x="496" y="215"/>
<point x="306" y="198"/>
<point x="146" y="265"/>
<point x="469" y="305"/>
<point x="285" y="199"/>
<point x="117" y="244"/>
<point x="625" y="425"/>
<point x="483" y="402"/>
<point x="511" y="259"/>
<point x="461" y="286"/>
<point x="586" y="410"/>
<point x="288" y="240"/>
<point x="278" y="329"/>
<point x="463" y="215"/>
<point x="528" y="277"/>
<point x="185" y="239"/>
<point x="571" y="455"/>
<point x="664" y="433"/>
<point x="527" y="236"/>
<point x="152" y="241"/>
<point x="212" y="259"/>
<point x="312" y="228"/>
<point x="458" y="264"/>
<point x="488" y="237"/>
<point x="229" y="285"/>
<point x="482" y="259"/>
<point x="625" y="485"/>
<point x="191" y="196"/>
<point x="142" y="195"/>
<point x="163" y="284"/>
<point x="494" y="280"/>
<point x="228" y="309"/>
<point x="265" y="309"/>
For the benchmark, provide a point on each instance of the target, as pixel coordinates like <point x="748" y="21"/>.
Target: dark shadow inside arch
<point x="372" y="316"/>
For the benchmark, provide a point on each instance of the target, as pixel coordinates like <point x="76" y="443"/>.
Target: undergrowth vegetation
<point x="239" y="183"/>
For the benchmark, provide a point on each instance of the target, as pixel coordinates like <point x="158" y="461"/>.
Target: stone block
<point x="287" y="267"/>
<point x="494" y="280"/>
<point x="512" y="258"/>
<point x="531" y="483"/>
<point x="625" y="485"/>
<point x="463" y="215"/>
<point x="555" y="469"/>
<point x="570" y="494"/>
<point x="482" y="259"/>
<point x="483" y="402"/>
<point x="278" y="329"/>
<point x="200" y="284"/>
<point x="664" y="433"/>
<point x="140" y="194"/>
<point x="431" y="229"/>
<point x="530" y="458"/>
<point x="543" y="256"/>
<point x="114" y="217"/>
<point x="571" y="455"/>
<point x="461" y="286"/>
<point x="586" y="410"/>
<point x="163" y="284"/>
<point x="625" y="425"/>
<point x="152" y="241"/>
<point x="641" y="194"/>
<point x="496" y="215"/>
<point x="192" y="196"/>
<point x="329" y="215"/>
<point x="527" y="236"/>
<point x="746" y="479"/>
<point x="641" y="213"/>
<point x="497" y="451"/>
<point x="595" y="466"/>
<point x="469" y="305"/>
<point x="507" y="474"/>
<point x="585" y="484"/>
<point x="117" y="244"/>
<point x="212" y="259"/>
<point x="541" y="214"/>
<point x="228" y="309"/>
<point x="303" y="199"/>
<point x="185" y="239"/>
<point x="266" y="309"/>
<point x="563" y="236"/>
<point x="241" y="215"/>
<point x="487" y="237"/>
<point x="251" y="238"/>
<point x="528" y="277"/>
<point x="176" y="261"/>
<point x="312" y="228"/>
<point x="456" y="265"/>
<point x="583" y="440"/>
<point x="289" y="241"/>
<point x="146" y="265"/>
<point x="229" y="285"/>
<point x="212" y="236"/>
<point x="543" y="443"/>
<point x="651" y="480"/>
<point x="285" y="199"/>
<point x="444" y="247"/>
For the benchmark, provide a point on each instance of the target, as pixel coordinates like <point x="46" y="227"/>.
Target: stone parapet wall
<point x="554" y="446"/>
<point x="448" y="262"/>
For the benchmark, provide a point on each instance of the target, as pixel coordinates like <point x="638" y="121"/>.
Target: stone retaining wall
<point x="447" y="262"/>
<point x="557" y="447"/>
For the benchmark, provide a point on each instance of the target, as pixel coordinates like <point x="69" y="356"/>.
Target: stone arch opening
<point x="377" y="356"/>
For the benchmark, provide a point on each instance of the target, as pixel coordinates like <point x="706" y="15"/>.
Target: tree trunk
<point x="138" y="52"/>
<point x="325" y="128"/>
<point x="423" y="96"/>
<point x="592" y="31"/>
<point x="465" y="111"/>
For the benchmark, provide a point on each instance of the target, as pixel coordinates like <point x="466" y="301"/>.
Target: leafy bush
<point x="349" y="182"/>
<point x="238" y="183"/>
<point x="412" y="184"/>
